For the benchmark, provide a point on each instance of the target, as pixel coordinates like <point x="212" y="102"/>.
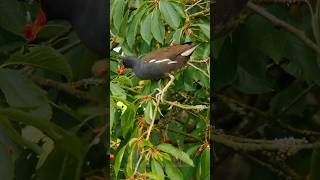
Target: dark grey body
<point x="88" y="18"/>
<point x="146" y="70"/>
<point x="158" y="63"/>
<point x="150" y="70"/>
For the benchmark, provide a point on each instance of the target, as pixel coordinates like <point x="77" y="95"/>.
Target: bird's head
<point x="130" y="61"/>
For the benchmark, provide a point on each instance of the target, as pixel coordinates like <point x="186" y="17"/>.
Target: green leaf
<point x="132" y="31"/>
<point x="148" y="113"/>
<point x="250" y="84"/>
<point x="118" y="13"/>
<point x="177" y="36"/>
<point x="125" y="81"/>
<point x="59" y="165"/>
<point x="157" y="169"/>
<point x="22" y="93"/>
<point x="177" y="153"/>
<point x="315" y="163"/>
<point x="12" y="132"/>
<point x="12" y="16"/>
<point x="133" y="26"/>
<point x="10" y="41"/>
<point x="173" y="172"/>
<point x="204" y="165"/>
<point x="192" y="150"/>
<point x="169" y="13"/>
<point x="145" y="29"/>
<point x="153" y="176"/>
<point x="6" y="163"/>
<point x="157" y="27"/>
<point x="128" y="118"/>
<point x="53" y="29"/>
<point x="284" y="98"/>
<point x="42" y="57"/>
<point x="178" y="7"/>
<point x="112" y="114"/>
<point x="205" y="28"/>
<point x="118" y="160"/>
<point x="117" y="91"/>
<point x="129" y="166"/>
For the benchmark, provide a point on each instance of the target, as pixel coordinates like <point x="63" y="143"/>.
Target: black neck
<point x="131" y="61"/>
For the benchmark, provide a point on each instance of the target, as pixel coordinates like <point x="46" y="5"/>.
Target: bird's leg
<point x="162" y="91"/>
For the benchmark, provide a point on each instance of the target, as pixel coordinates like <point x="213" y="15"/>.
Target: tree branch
<point x="279" y="23"/>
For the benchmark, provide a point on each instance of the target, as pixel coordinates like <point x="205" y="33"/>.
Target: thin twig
<point x="273" y="145"/>
<point x="86" y="82"/>
<point x="201" y="13"/>
<point x="153" y="117"/>
<point x="192" y="5"/>
<point x="203" y="72"/>
<point x="65" y="88"/>
<point x="280" y="23"/>
<point x="186" y="106"/>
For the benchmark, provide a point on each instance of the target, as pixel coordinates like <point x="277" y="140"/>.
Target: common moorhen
<point x="160" y="62"/>
<point x="88" y="18"/>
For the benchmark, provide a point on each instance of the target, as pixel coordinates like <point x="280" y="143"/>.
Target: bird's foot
<point x="162" y="91"/>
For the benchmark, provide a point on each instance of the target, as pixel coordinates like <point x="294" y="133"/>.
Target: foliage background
<point x="266" y="91"/>
<point x="178" y="146"/>
<point x="52" y="108"/>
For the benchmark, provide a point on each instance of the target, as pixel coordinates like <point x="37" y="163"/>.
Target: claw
<point x="162" y="91"/>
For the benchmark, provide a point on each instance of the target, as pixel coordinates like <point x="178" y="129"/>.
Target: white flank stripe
<point x="189" y="51"/>
<point x="172" y="62"/>
<point x="163" y="60"/>
<point x="153" y="60"/>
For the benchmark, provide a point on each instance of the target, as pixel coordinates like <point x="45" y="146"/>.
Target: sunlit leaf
<point x="169" y="13"/>
<point x="157" y="27"/>
<point x="177" y="153"/>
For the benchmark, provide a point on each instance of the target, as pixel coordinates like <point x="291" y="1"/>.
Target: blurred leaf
<point x="6" y="162"/>
<point x="53" y="29"/>
<point x="284" y="98"/>
<point x="157" y="169"/>
<point x="178" y="7"/>
<point x="203" y="171"/>
<point x="12" y="16"/>
<point x="118" y="12"/>
<point x="10" y="41"/>
<point x="250" y="84"/>
<point x="145" y="29"/>
<point x="225" y="67"/>
<point x="125" y="80"/>
<point x="169" y="13"/>
<point x="148" y="112"/>
<point x="117" y="91"/>
<point x="205" y="28"/>
<point x="173" y="172"/>
<point x="42" y="57"/>
<point x="59" y="165"/>
<point x="132" y="30"/>
<point x="177" y="153"/>
<point x="130" y="166"/>
<point x="153" y="176"/>
<point x="128" y="118"/>
<point x="118" y="160"/>
<point x="22" y="93"/>
<point x="157" y="27"/>
<point x="177" y="36"/>
<point x="112" y="114"/>
<point x="315" y="163"/>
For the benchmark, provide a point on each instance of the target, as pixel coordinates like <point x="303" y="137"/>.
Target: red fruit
<point x="31" y="30"/>
<point x="111" y="157"/>
<point x="168" y="141"/>
<point x="120" y="70"/>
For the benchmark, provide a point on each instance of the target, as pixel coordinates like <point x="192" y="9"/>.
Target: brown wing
<point x="170" y="52"/>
